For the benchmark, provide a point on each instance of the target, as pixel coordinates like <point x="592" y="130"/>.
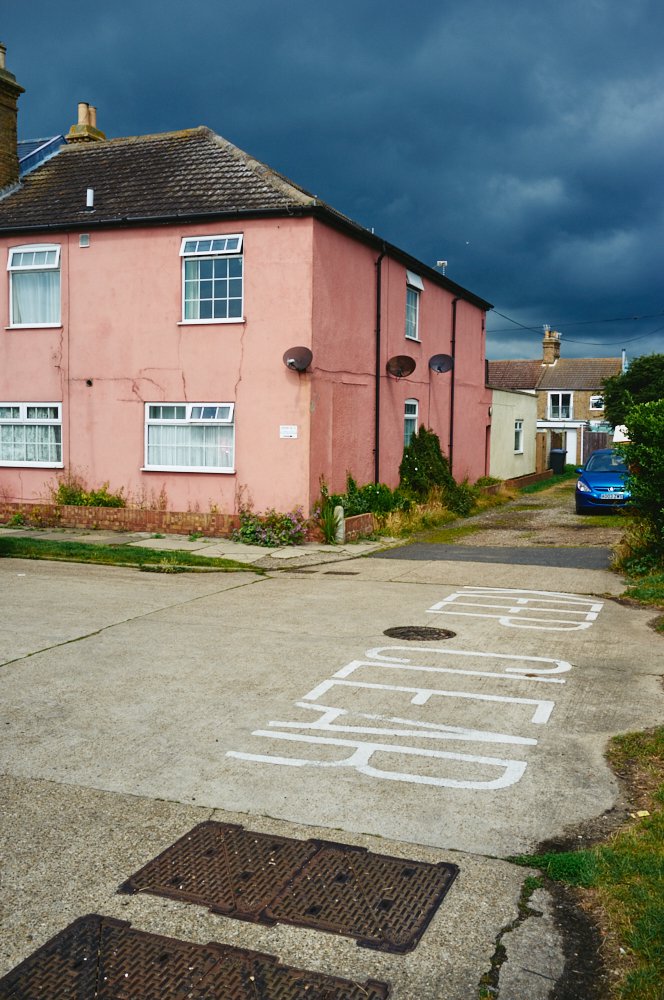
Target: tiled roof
<point x="188" y="173"/>
<point x="566" y="373"/>
<point x="514" y="374"/>
<point x="579" y="373"/>
<point x="32" y="152"/>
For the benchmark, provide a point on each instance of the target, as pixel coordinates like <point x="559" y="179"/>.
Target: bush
<point x="271" y="528"/>
<point x="644" y="454"/>
<point x="374" y="498"/>
<point x="424" y="468"/>
<point x="72" y="491"/>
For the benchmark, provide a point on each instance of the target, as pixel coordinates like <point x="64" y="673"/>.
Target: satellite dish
<point x="400" y="366"/>
<point x="298" y="359"/>
<point x="441" y="363"/>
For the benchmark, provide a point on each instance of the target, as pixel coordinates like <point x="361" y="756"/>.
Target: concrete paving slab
<point x="56" y="870"/>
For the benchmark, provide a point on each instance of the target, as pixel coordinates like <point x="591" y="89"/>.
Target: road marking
<point x="515" y="610"/>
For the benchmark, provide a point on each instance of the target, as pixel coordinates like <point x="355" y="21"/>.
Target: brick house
<point x="570" y="405"/>
<point x="184" y="322"/>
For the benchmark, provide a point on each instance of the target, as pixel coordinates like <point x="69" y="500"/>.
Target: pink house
<point x="181" y="320"/>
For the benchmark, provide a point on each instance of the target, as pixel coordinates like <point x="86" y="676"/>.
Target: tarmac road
<point x="136" y="705"/>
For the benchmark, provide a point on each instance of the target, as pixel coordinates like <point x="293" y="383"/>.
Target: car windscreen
<point x="606" y="463"/>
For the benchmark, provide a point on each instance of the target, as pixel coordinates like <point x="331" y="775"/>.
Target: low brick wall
<point x="359" y="524"/>
<point x="534" y="477"/>
<point x="45" y="515"/>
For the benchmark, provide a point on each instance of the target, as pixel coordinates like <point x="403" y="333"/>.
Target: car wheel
<point x="580" y="509"/>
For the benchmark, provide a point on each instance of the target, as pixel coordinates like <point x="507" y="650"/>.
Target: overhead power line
<point x="586" y="322"/>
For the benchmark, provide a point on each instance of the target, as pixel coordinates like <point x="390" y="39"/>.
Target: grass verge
<point x="622" y="880"/>
<point x="545" y="484"/>
<point x="116" y="555"/>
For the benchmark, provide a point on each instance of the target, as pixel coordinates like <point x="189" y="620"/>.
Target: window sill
<point x="192" y="469"/>
<point x="34" y="326"/>
<point x="414" y="340"/>
<point x="211" y="322"/>
<point x="31" y="465"/>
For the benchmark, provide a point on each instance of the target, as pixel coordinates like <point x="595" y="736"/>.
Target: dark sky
<point x="520" y="140"/>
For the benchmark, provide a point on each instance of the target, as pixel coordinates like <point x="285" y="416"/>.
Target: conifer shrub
<point x="424" y="468"/>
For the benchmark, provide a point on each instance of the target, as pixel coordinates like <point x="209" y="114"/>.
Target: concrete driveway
<point x="135" y="705"/>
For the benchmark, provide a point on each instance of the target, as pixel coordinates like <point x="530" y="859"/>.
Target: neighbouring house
<point x="182" y="321"/>
<point x="513" y="433"/>
<point x="570" y="405"/>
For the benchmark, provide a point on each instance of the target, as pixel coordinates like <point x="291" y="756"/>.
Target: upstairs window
<point x="414" y="286"/>
<point x="212" y="279"/>
<point x="190" y="437"/>
<point x="34" y="285"/>
<point x="410" y="417"/>
<point x="31" y="434"/>
<point x="560" y="406"/>
<point x="597" y="402"/>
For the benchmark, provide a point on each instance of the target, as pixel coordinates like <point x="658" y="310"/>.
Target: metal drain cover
<point x="383" y="902"/>
<point x="98" y="958"/>
<point x="418" y="633"/>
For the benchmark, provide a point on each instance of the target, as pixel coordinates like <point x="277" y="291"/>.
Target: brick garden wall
<point x="45" y="515"/>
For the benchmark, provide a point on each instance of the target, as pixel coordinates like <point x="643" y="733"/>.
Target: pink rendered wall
<point x="121" y="310"/>
<point x="343" y="384"/>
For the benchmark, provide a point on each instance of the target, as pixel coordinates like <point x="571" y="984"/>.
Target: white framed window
<point x="560" y="406"/>
<point x="597" y="402"/>
<point x="212" y="279"/>
<point x="190" y="437"/>
<point x="518" y="437"/>
<point x="414" y="287"/>
<point x="34" y="285"/>
<point x="410" y="418"/>
<point x="31" y="434"/>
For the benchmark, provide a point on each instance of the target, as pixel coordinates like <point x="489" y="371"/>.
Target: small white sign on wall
<point x="288" y="431"/>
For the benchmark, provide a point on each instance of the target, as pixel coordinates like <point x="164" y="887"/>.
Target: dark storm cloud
<point x="520" y="141"/>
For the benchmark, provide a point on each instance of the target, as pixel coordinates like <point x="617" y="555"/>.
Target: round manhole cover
<point x="418" y="633"/>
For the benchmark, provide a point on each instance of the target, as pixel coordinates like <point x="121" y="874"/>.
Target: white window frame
<point x="518" y="436"/>
<point x="191" y="418"/>
<point x="414" y="288"/>
<point x="559" y="395"/>
<point x="410" y="419"/>
<point x="16" y="268"/>
<point x="224" y="246"/>
<point x="594" y="404"/>
<point x="23" y="419"/>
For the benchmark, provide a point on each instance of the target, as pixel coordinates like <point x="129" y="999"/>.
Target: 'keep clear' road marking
<point x="331" y="729"/>
<point x="363" y="683"/>
<point x="533" y="609"/>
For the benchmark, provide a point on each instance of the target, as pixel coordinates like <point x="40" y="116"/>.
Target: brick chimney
<point x="550" y="346"/>
<point x="86" y="128"/>
<point x="10" y="92"/>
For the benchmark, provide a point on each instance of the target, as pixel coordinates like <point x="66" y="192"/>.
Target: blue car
<point x="601" y="482"/>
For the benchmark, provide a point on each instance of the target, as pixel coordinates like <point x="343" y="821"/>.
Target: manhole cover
<point x="418" y="633"/>
<point x="98" y="958"/>
<point x="382" y="902"/>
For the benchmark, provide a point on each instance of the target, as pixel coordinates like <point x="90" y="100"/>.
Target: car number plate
<point x="612" y="496"/>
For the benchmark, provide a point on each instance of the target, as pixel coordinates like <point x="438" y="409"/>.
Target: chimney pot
<point x="86" y="129"/>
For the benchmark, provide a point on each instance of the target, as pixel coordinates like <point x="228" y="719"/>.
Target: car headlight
<point x="582" y="487"/>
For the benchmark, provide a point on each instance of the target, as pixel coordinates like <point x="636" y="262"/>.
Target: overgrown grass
<point x="624" y="877"/>
<point x="115" y="555"/>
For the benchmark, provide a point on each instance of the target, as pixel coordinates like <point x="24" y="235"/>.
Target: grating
<point x="419" y="633"/>
<point x="99" y="958"/>
<point x="225" y="867"/>
<point x="383" y="902"/>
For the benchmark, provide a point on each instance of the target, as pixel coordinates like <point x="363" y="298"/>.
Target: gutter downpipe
<point x="452" y="352"/>
<point x="379" y="285"/>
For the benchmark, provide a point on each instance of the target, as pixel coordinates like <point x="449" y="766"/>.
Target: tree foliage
<point x="645" y="457"/>
<point x="643" y="382"/>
